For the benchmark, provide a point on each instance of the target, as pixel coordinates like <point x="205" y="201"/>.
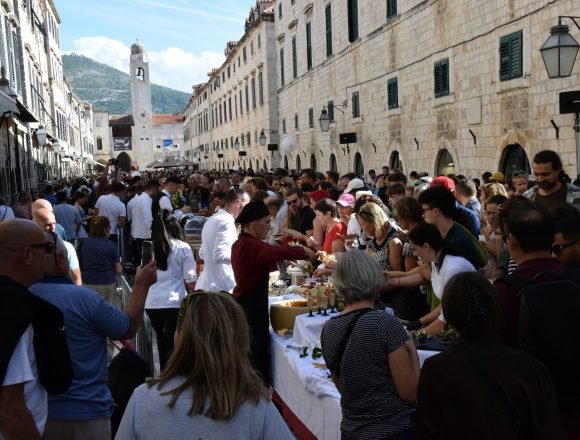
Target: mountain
<point x="110" y="89"/>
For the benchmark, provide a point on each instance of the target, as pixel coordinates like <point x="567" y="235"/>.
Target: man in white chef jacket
<point x="217" y="237"/>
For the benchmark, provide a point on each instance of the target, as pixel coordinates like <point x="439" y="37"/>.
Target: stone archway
<point x="514" y="159"/>
<point x="395" y="161"/>
<point x="332" y="163"/>
<point x="445" y="164"/>
<point x="359" y="168"/>
<point x="313" y="164"/>
<point x="286" y="162"/>
<point x="298" y="163"/>
<point x="124" y="162"/>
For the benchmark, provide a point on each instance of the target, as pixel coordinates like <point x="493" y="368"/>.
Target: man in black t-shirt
<point x="301" y="214"/>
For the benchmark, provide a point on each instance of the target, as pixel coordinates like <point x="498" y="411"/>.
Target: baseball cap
<point x="443" y="181"/>
<point x="354" y="184"/>
<point x="346" y="200"/>
<point x="497" y="176"/>
<point x="318" y="195"/>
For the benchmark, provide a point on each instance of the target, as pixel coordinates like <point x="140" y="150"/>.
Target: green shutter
<point x="328" y="14"/>
<point x="393" y="93"/>
<point x="516" y="54"/>
<point x="504" y="58"/>
<point x="391" y="9"/>
<point x="308" y="46"/>
<point x="445" y="77"/>
<point x="437" y="79"/>
<point x="352" y="20"/>
<point x="330" y="108"/>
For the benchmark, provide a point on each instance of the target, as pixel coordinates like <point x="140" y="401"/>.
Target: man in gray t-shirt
<point x="67" y="216"/>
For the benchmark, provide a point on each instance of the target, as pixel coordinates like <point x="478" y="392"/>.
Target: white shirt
<point x="217" y="237"/>
<point x="142" y="217"/>
<point x="452" y="265"/>
<point x="23" y="369"/>
<point x="110" y="206"/>
<point x="169" y="289"/>
<point x="165" y="203"/>
<point x="130" y="205"/>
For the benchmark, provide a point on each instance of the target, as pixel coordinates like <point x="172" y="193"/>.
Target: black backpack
<point x="549" y="326"/>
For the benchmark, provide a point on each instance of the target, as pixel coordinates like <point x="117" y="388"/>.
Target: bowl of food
<point x="284" y="313"/>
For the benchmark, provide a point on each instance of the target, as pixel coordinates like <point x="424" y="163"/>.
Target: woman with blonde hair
<point x="385" y="245"/>
<point x="209" y="389"/>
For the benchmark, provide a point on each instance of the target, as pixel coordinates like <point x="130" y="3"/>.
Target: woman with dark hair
<point x="24" y="207"/>
<point x="428" y="244"/>
<point x="327" y="215"/>
<point x="480" y="388"/>
<point x="175" y="274"/>
<point x="209" y="389"/>
<point x="408" y="214"/>
<point x="372" y="360"/>
<point x="99" y="259"/>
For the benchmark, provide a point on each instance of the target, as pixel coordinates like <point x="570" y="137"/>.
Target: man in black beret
<point x="252" y="261"/>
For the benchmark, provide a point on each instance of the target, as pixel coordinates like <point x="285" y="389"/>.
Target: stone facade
<point x="483" y="123"/>
<point x="238" y="101"/>
<point x="34" y="96"/>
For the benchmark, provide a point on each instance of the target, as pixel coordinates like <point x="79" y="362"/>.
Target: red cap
<point x="443" y="181"/>
<point x="318" y="195"/>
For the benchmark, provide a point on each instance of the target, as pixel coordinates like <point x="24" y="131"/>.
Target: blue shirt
<point x="97" y="257"/>
<point x="68" y="217"/>
<point x="468" y="218"/>
<point x="89" y="321"/>
<point x="51" y="198"/>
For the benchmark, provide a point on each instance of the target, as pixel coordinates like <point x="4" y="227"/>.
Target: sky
<point x="183" y="39"/>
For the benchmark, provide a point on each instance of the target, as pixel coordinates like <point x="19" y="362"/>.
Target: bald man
<point x="34" y="344"/>
<point x="45" y="204"/>
<point x="45" y="218"/>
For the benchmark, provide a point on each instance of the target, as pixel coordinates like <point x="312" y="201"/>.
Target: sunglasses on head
<point x="47" y="245"/>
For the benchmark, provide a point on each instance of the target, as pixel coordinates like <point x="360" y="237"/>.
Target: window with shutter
<point x="510" y="56"/>
<point x="352" y="20"/>
<point x="393" y="93"/>
<point x="295" y="121"/>
<point x="330" y="108"/>
<point x="441" y="78"/>
<point x="260" y="88"/>
<point x="308" y="46"/>
<point x="253" y="92"/>
<point x="311" y="117"/>
<point x="355" y="105"/>
<point x="284" y="125"/>
<point x="391" y="9"/>
<point x="294" y="59"/>
<point x="328" y="14"/>
<point x="282" y="66"/>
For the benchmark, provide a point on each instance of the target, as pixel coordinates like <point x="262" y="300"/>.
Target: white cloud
<point x="172" y="67"/>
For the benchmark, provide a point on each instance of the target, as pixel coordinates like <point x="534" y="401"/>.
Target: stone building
<point x="229" y="117"/>
<point x="142" y="139"/>
<point x="43" y="125"/>
<point x="439" y="86"/>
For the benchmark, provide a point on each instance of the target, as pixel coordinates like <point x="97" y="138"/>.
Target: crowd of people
<point x="496" y="260"/>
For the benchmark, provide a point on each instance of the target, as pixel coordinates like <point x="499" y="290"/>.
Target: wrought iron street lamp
<point x="237" y="144"/>
<point x="41" y="135"/>
<point x="559" y="53"/>
<point x="325" y="119"/>
<point x="262" y="138"/>
<point x="560" y="50"/>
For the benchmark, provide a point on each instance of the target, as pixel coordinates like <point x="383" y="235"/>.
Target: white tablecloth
<point x="321" y="415"/>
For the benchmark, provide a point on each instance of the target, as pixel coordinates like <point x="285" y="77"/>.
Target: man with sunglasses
<point x="34" y="355"/>
<point x="567" y="241"/>
<point x="84" y="410"/>
<point x="301" y="214"/>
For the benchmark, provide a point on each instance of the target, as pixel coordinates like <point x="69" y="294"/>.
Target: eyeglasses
<point x="293" y="201"/>
<point x="47" y="245"/>
<point x="558" y="248"/>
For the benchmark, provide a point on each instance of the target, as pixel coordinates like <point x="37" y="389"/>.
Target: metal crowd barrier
<point x="143" y="340"/>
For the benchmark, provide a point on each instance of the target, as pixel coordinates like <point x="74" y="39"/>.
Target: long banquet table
<point x="309" y="399"/>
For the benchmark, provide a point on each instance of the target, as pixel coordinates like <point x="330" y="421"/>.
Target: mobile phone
<point x="146" y="253"/>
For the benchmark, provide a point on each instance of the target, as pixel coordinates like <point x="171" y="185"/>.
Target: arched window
<point x="298" y="163"/>
<point x="445" y="164"/>
<point x="285" y="162"/>
<point x="140" y="74"/>
<point x="332" y="164"/>
<point x="359" y="168"/>
<point x="313" y="163"/>
<point x="514" y="159"/>
<point x="395" y="161"/>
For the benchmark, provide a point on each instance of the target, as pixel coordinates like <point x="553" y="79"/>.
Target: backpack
<point x="127" y="371"/>
<point x="549" y="328"/>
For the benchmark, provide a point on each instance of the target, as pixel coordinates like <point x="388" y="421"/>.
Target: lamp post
<point x="325" y="119"/>
<point x="559" y="54"/>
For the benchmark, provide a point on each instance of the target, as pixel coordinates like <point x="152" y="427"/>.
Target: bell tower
<point x="141" y="109"/>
